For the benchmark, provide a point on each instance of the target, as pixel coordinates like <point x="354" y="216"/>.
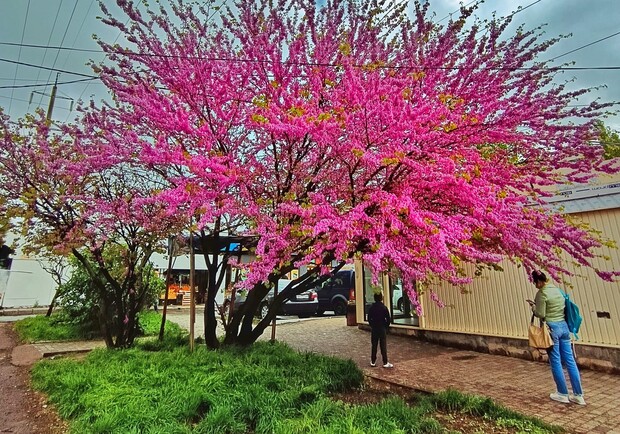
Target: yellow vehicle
<point x="179" y="289"/>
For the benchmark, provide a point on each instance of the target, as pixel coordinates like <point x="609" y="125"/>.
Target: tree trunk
<point x="240" y="327"/>
<point x="118" y="302"/>
<point x="52" y="303"/>
<point x="241" y="330"/>
<point x="210" y="319"/>
<point x="165" y="308"/>
<point x="105" y="326"/>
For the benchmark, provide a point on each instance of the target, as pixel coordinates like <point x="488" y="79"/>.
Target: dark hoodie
<point x="379" y="316"/>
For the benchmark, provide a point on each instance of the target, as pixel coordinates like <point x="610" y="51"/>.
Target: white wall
<point x="28" y="285"/>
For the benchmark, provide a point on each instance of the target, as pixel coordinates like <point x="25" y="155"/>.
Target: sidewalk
<point x="518" y="384"/>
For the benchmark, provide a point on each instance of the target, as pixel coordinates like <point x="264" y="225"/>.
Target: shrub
<point x="81" y="300"/>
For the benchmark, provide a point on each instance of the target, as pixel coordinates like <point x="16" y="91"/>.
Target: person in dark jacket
<point x="5" y="252"/>
<point x="379" y="320"/>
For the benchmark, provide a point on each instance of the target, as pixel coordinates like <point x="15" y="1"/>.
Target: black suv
<point x="303" y="305"/>
<point x="335" y="293"/>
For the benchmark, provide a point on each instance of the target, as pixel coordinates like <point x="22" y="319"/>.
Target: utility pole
<point x="192" y="300"/>
<point x="53" y="97"/>
<point x="50" y="108"/>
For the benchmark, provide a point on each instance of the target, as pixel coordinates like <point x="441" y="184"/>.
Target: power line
<point x="291" y="63"/>
<point x="79" y="30"/>
<point x="215" y="10"/>
<point x="450" y="14"/>
<point x="46" y="68"/>
<point x="585" y="46"/>
<point x="16" y="79"/>
<point x="25" y="100"/>
<point x="502" y="19"/>
<point x="507" y="17"/>
<point x="19" y="55"/>
<point x="49" y="40"/>
<point x="325" y="64"/>
<point x="63" y="38"/>
<point x="106" y="55"/>
<point x="522" y="9"/>
<point x="64" y="35"/>
<point x="21" y="86"/>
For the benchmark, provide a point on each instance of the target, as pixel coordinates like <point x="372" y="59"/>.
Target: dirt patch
<point x="375" y="390"/>
<point x="25" y="355"/>
<point x="23" y="410"/>
<point x="465" y="423"/>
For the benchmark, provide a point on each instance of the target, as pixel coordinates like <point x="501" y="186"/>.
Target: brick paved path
<point x="518" y="384"/>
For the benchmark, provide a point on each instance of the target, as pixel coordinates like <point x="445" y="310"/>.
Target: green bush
<point x="80" y="299"/>
<point x="150" y="322"/>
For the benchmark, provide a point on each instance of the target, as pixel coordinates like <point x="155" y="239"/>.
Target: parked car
<point x="303" y="305"/>
<point x="397" y="297"/>
<point x="335" y="293"/>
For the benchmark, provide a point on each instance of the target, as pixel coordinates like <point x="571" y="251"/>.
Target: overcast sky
<point x="70" y="23"/>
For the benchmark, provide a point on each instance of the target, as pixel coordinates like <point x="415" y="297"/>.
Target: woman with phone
<point x="549" y="306"/>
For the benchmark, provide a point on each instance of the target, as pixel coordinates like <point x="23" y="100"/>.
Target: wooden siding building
<point x="491" y="314"/>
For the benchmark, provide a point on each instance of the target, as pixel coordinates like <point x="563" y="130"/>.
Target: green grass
<point x="268" y="388"/>
<point x="56" y="328"/>
<point x="151" y="322"/>
<point x="41" y="328"/>
<point x="230" y="391"/>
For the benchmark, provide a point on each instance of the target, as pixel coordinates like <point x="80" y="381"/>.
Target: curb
<point x="64" y="352"/>
<point x="396" y="383"/>
<point x="23" y="311"/>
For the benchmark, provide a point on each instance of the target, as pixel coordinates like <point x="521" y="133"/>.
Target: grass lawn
<point x="268" y="388"/>
<point x="57" y="328"/>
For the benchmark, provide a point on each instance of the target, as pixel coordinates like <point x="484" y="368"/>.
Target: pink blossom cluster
<point x="341" y="131"/>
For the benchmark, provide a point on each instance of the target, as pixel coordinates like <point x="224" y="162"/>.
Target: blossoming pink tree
<point x="350" y="130"/>
<point x="65" y="195"/>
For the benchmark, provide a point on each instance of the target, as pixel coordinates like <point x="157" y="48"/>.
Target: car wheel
<point x="340" y="307"/>
<point x="263" y="310"/>
<point x="400" y="304"/>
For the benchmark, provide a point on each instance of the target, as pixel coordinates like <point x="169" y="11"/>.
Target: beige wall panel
<point x="597" y="298"/>
<point x="494" y="304"/>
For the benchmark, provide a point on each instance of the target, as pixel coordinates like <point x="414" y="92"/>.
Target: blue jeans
<point x="560" y="354"/>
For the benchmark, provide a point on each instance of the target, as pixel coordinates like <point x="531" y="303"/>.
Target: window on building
<point x="369" y="291"/>
<point x="402" y="310"/>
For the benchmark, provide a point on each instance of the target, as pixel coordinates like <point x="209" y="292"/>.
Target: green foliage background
<point x="79" y="298"/>
<point x="610" y="140"/>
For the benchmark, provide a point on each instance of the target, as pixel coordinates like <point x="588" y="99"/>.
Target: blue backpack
<point x="572" y="315"/>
